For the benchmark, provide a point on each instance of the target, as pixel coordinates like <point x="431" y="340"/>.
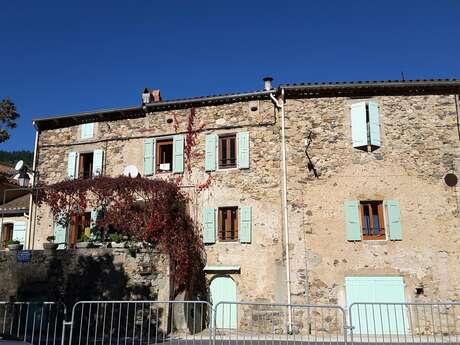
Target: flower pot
<point x="84" y="245"/>
<point x="15" y="247"/>
<point x="50" y="246"/>
<point x="119" y="244"/>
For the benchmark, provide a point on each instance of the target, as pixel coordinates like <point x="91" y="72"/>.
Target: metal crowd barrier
<point x="37" y="323"/>
<point x="415" y="323"/>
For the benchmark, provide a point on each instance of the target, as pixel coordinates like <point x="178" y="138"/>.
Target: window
<point x="7" y="234"/>
<point x="86" y="130"/>
<point x="372" y="221"/>
<point x="228" y="223"/>
<point x="227" y="151"/>
<point x="85" y="165"/>
<point x="365" y="125"/>
<point x="80" y="226"/>
<point x="164" y="155"/>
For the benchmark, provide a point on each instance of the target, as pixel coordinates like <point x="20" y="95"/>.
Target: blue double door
<point x="376" y="304"/>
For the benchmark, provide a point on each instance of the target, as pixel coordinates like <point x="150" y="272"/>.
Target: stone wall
<point x="419" y="145"/>
<point x="258" y="186"/>
<point x="84" y="274"/>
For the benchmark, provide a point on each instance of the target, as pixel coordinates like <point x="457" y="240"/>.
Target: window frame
<point x="381" y="213"/>
<point x="82" y="137"/>
<point x="236" y="231"/>
<point x="220" y="138"/>
<point x="158" y="143"/>
<point x="81" y="156"/>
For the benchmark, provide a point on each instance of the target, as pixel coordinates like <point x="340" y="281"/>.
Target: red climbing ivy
<point x="149" y="210"/>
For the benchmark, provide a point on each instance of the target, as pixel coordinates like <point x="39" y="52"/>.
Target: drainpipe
<point x="280" y="106"/>
<point x="31" y="239"/>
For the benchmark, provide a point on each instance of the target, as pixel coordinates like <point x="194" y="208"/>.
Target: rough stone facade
<point x="419" y="145"/>
<point x="84" y="274"/>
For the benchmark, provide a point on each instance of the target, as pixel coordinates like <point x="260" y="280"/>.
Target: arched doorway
<point x="223" y="289"/>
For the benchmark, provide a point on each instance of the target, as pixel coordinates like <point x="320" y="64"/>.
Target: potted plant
<point x="117" y="240"/>
<point x="14" y="245"/>
<point x="84" y="242"/>
<point x="50" y="245"/>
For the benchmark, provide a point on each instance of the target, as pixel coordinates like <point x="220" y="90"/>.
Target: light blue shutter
<point x="243" y="150"/>
<point x="149" y="145"/>
<point x="358" y="124"/>
<point x="60" y="235"/>
<point x="72" y="165"/>
<point x="394" y="219"/>
<point x="352" y="219"/>
<point x="210" y="156"/>
<point x="19" y="232"/>
<point x="245" y="224"/>
<point x="374" y="125"/>
<point x="209" y="225"/>
<point x="87" y="130"/>
<point x="98" y="159"/>
<point x="178" y="149"/>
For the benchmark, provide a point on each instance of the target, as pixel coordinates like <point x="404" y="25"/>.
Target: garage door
<point x="380" y="317"/>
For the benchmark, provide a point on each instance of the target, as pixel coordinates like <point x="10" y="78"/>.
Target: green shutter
<point x="374" y="125"/>
<point x="245" y="224"/>
<point x="72" y="165"/>
<point x="178" y="149"/>
<point x="243" y="150"/>
<point x="210" y="156"/>
<point x="87" y="130"/>
<point x="149" y="146"/>
<point x="98" y="161"/>
<point x="19" y="232"/>
<point x="60" y="235"/>
<point x="393" y="212"/>
<point x="352" y="219"/>
<point x="209" y="225"/>
<point x="358" y="124"/>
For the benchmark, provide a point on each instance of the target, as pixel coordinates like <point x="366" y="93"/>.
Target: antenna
<point x="402" y="76"/>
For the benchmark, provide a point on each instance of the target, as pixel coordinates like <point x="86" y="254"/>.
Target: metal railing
<point x="247" y="322"/>
<point x="34" y="322"/>
<point x="418" y="323"/>
<point x="139" y="322"/>
<point x="232" y="323"/>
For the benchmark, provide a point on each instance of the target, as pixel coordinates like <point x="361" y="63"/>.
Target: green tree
<point x="8" y="116"/>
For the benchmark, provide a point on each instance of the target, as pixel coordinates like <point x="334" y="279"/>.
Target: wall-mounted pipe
<point x="30" y="234"/>
<point x="280" y="105"/>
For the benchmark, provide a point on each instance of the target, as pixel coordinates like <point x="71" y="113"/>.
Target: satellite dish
<point x="19" y="165"/>
<point x="131" y="171"/>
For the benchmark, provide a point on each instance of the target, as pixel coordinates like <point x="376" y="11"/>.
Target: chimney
<point x="149" y="96"/>
<point x="268" y="83"/>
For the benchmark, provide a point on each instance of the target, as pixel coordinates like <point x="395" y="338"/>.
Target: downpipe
<point x="280" y="105"/>
<point x="30" y="236"/>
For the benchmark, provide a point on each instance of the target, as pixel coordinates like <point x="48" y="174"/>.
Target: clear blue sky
<point x="62" y="57"/>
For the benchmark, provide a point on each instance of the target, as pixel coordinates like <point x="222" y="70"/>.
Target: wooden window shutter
<point x="98" y="161"/>
<point x="72" y="166"/>
<point x="211" y="156"/>
<point x="243" y="150"/>
<point x="87" y="130"/>
<point x="209" y="225"/>
<point x="392" y="208"/>
<point x="60" y="235"/>
<point x="245" y="226"/>
<point x="358" y="124"/>
<point x="353" y="227"/>
<point x="178" y="152"/>
<point x="149" y="156"/>
<point x="374" y="124"/>
<point x="19" y="232"/>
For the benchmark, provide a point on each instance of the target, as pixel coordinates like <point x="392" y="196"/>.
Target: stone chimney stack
<point x="150" y="96"/>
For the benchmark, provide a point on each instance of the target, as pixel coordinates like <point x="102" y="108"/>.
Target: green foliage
<point x="83" y="238"/>
<point x="11" y="157"/>
<point x="115" y="237"/>
<point x="8" y="116"/>
<point x="51" y="239"/>
<point x="12" y="242"/>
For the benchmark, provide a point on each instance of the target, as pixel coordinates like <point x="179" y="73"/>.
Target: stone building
<point x="319" y="193"/>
